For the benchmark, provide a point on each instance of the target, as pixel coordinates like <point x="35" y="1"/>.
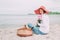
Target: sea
<point x="19" y="20"/>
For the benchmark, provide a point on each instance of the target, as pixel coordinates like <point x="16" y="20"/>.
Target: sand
<point x="10" y="34"/>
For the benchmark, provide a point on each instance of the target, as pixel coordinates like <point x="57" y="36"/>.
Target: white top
<point x="44" y="26"/>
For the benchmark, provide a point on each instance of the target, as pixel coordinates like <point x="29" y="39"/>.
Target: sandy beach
<point x="10" y="34"/>
<point x="10" y="24"/>
<point x="16" y="13"/>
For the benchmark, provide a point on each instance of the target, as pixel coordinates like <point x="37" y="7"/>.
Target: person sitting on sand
<point x="42" y="26"/>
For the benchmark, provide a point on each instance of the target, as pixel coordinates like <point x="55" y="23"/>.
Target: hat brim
<point x="37" y="11"/>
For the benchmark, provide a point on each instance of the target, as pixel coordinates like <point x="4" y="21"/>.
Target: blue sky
<point x="27" y="6"/>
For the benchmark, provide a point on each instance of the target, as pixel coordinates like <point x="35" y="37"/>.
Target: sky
<point x="27" y="6"/>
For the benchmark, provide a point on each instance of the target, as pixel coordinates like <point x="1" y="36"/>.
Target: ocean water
<point x="18" y="20"/>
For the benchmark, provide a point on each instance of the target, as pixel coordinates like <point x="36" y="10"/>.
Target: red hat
<point x="37" y="11"/>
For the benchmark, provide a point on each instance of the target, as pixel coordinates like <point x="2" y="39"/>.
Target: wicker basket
<point x="24" y="32"/>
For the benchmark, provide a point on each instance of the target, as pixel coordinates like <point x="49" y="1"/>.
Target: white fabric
<point x="44" y="26"/>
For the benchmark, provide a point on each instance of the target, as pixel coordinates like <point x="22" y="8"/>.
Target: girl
<point x="42" y="26"/>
